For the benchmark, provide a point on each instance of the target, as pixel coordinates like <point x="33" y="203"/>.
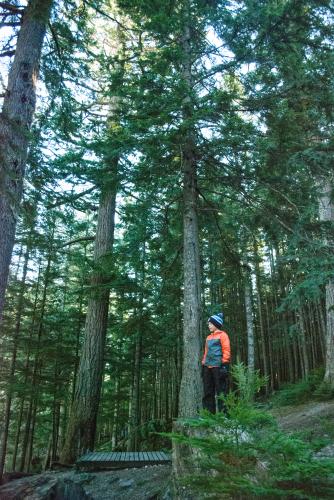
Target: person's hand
<point x="225" y="369"/>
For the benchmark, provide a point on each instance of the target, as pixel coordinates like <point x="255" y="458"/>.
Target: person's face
<point x="212" y="327"/>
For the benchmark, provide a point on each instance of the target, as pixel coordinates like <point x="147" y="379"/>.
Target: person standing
<point x="216" y="362"/>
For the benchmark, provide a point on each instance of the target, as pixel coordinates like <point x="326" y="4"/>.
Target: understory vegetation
<point x="246" y="455"/>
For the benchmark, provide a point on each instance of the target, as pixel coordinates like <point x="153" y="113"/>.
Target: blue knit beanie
<point x="217" y="320"/>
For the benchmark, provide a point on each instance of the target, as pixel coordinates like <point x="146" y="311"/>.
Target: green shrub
<point x="312" y="387"/>
<point x="324" y="392"/>
<point x="244" y="455"/>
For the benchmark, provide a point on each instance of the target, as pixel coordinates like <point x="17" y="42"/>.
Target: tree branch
<point x="11" y="8"/>
<point x="108" y="16"/>
<point x="70" y="199"/>
<point x="12" y="25"/>
<point x="55" y="39"/>
<point x="78" y="240"/>
<point x="7" y="53"/>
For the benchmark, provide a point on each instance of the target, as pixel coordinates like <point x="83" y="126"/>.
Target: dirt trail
<point x="306" y="416"/>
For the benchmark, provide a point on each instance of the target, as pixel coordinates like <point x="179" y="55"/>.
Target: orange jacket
<point x="217" y="349"/>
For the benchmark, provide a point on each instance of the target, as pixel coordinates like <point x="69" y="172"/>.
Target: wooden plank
<point x="130" y="458"/>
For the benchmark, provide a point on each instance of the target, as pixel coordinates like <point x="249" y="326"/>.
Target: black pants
<point x="215" y="381"/>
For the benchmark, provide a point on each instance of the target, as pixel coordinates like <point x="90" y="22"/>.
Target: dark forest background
<point x="160" y="127"/>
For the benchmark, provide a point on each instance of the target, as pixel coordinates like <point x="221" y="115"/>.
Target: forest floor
<point x="312" y="420"/>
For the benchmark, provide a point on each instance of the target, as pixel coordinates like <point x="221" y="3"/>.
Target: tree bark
<point x="9" y="392"/>
<point x="15" y="121"/>
<point x="326" y="214"/>
<point x="191" y="389"/>
<point x="259" y="305"/>
<point x="34" y="389"/>
<point x="26" y="368"/>
<point x="249" y="323"/>
<point x="80" y="434"/>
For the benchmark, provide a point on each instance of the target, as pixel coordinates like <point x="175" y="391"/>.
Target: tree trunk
<point x="303" y="343"/>
<point x="326" y="214"/>
<point x="9" y="392"/>
<point x="250" y="326"/>
<point x="191" y="387"/>
<point x="259" y="305"/>
<point x="26" y="368"/>
<point x="28" y="434"/>
<point x="15" y="121"/>
<point x="81" y="428"/>
<point x="135" y="395"/>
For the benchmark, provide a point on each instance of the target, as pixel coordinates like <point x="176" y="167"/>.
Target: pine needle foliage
<point x="245" y="454"/>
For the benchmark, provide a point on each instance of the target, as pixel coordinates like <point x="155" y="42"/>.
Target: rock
<point x="126" y="483"/>
<point x="167" y="495"/>
<point x="46" y="487"/>
<point x="12" y="476"/>
<point x="67" y="490"/>
<point x="326" y="452"/>
<point x="85" y="478"/>
<point x="134" y="484"/>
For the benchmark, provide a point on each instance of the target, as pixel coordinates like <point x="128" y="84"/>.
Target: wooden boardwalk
<point x="122" y="459"/>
